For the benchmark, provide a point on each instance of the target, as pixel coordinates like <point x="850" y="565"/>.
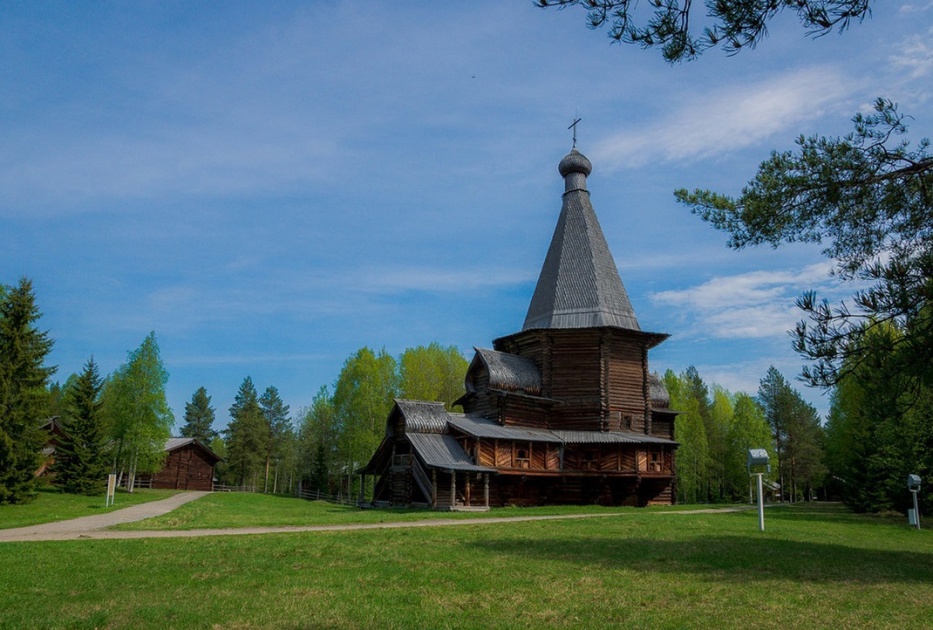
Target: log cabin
<point x="189" y="465"/>
<point x="565" y="411"/>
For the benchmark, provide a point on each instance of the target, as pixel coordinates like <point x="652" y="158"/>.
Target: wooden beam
<point x="486" y="489"/>
<point x="453" y="488"/>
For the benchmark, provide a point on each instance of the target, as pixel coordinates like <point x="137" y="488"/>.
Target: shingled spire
<point x="579" y="285"/>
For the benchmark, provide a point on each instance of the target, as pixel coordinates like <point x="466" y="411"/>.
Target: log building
<point x="189" y="465"/>
<point x="563" y="411"/>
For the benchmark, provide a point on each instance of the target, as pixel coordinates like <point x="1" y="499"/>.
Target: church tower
<point x="581" y="331"/>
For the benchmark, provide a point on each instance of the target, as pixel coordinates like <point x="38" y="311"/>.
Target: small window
<point x="656" y="461"/>
<point x="628" y="420"/>
<point x="521" y="458"/>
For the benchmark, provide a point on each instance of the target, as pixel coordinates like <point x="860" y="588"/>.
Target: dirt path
<point x="76" y="527"/>
<point x="92" y="527"/>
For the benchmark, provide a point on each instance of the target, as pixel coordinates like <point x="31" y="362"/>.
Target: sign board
<point x="111" y="488"/>
<point x="913" y="482"/>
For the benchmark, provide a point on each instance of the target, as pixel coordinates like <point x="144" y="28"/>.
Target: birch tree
<point x="138" y="414"/>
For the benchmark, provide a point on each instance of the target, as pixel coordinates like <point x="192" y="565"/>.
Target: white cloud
<point x="915" y="55"/>
<point x="728" y="119"/>
<point x="752" y="305"/>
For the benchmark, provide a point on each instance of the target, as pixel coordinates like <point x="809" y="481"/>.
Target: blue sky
<point x="271" y="186"/>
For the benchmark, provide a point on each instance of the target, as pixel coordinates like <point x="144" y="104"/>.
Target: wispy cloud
<point x="751" y="305"/>
<point x="914" y="55"/>
<point x="728" y="119"/>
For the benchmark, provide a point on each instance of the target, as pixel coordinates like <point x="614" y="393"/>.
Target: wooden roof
<point x="485" y="428"/>
<point x="510" y="372"/>
<point x="422" y="416"/>
<point x="173" y="444"/>
<point x="579" y="285"/>
<point x="443" y="451"/>
<point x="660" y="398"/>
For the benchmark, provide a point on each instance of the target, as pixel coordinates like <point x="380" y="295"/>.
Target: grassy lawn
<point x="51" y="506"/>
<point x="815" y="567"/>
<point x="235" y="509"/>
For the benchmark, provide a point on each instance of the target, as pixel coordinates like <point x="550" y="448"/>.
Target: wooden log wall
<point x="627" y="384"/>
<point x="522" y="411"/>
<point x="484" y="402"/>
<point x="186" y="468"/>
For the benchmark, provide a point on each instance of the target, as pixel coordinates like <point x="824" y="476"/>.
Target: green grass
<point x="52" y="505"/>
<point x="816" y="566"/>
<point x="234" y="509"/>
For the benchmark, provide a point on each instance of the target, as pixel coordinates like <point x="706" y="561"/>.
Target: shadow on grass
<point x="731" y="558"/>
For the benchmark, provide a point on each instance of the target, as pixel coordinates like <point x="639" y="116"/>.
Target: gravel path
<point x="93" y="527"/>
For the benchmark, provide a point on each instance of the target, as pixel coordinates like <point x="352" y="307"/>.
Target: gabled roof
<point x="579" y="285"/>
<point x="174" y="443"/>
<point x="422" y="416"/>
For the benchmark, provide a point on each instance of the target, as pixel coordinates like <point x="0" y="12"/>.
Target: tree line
<point x="115" y="424"/>
<point x="879" y="427"/>
<point x="326" y="442"/>
<point x="716" y="429"/>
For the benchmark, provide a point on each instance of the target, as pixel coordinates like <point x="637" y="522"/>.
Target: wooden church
<point x="564" y="411"/>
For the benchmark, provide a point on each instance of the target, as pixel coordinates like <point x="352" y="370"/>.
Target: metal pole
<point x="761" y="504"/>
<point x="916" y="508"/>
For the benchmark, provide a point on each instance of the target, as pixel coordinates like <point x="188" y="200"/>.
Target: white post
<point x="761" y="504"/>
<point x="916" y="508"/>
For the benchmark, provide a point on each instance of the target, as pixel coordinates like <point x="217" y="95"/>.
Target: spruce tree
<point x="80" y="464"/>
<point x="199" y="418"/>
<point x="275" y="412"/>
<point x="246" y="436"/>
<point x="23" y="392"/>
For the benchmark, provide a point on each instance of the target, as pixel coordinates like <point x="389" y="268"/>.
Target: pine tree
<point x="275" y="412"/>
<point x="797" y="434"/>
<point x="23" y="392"/>
<point x="80" y="464"/>
<point x="246" y="437"/>
<point x="199" y="418"/>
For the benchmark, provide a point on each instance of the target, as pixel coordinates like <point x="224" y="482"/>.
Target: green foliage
<point x="748" y="430"/>
<point x="735" y="24"/>
<point x="432" y="373"/>
<point x="199" y="418"/>
<point x="869" y="198"/>
<point x="23" y="391"/>
<point x="246" y="437"/>
<point x="80" y="463"/>
<point x="139" y="418"/>
<point x="279" y="444"/>
<point x="363" y="396"/>
<point x="797" y="435"/>
<point x="714" y="438"/>
<point x="318" y="438"/>
<point x="879" y="432"/>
